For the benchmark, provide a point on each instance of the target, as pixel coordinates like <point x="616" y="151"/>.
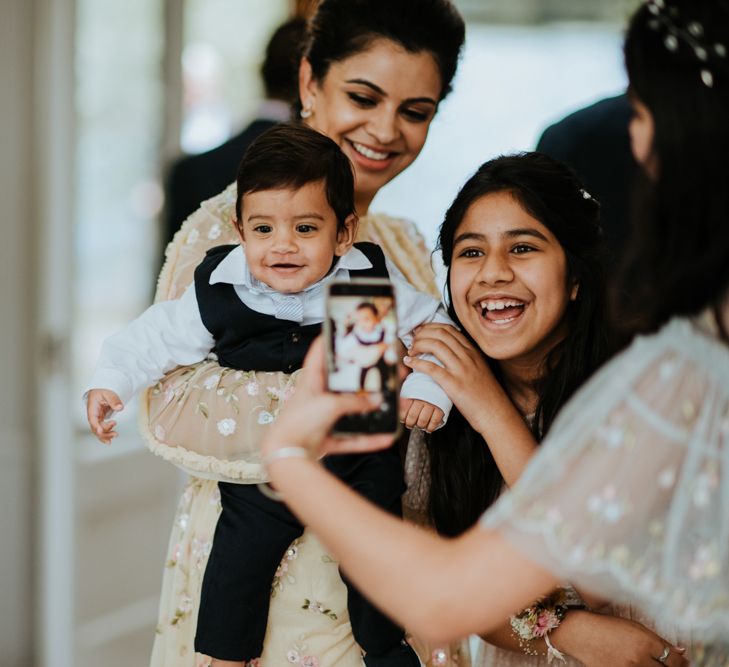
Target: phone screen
<point x="362" y="355"/>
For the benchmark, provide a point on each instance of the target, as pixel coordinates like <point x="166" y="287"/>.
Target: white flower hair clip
<point x="666" y="18"/>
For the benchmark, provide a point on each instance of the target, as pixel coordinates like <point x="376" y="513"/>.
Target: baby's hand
<point x="100" y="403"/>
<point x="421" y="414"/>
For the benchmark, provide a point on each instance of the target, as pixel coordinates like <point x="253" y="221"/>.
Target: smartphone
<point x="362" y="354"/>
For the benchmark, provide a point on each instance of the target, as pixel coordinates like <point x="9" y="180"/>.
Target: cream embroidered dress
<point x="208" y="421"/>
<point x="629" y="494"/>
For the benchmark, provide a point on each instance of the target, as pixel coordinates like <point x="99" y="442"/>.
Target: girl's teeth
<point x="500" y="305"/>
<point x="369" y="153"/>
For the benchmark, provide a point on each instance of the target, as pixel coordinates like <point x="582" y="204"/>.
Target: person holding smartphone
<point x="258" y="306"/>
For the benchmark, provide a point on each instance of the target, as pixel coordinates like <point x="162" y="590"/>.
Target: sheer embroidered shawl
<point x="629" y="494"/>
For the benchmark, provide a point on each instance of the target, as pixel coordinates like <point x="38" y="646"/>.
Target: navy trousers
<point x="251" y="537"/>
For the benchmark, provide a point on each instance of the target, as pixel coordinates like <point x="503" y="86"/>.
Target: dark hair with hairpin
<point x="340" y="29"/>
<point x="290" y="155"/>
<point x="465" y="478"/>
<point x="677" y="62"/>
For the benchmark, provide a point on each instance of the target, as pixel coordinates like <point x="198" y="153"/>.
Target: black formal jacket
<point x="195" y="178"/>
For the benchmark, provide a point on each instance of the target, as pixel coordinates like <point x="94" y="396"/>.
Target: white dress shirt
<point x="171" y="333"/>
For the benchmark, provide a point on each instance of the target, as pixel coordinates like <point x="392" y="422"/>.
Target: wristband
<point x="290" y="452"/>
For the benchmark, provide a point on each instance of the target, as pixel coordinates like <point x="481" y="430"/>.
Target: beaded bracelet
<point x="537" y="621"/>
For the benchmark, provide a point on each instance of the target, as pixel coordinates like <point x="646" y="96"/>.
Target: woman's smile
<point x="368" y="158"/>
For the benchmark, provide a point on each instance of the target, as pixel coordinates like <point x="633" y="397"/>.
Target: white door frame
<point x="53" y="156"/>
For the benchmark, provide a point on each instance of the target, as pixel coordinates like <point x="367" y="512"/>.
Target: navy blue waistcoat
<point x="248" y="340"/>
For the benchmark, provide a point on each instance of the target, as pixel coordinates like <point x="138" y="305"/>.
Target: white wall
<point x="17" y="289"/>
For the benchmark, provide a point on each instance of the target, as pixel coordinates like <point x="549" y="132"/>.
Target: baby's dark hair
<point x="366" y="305"/>
<point x="291" y="155"/>
<point x="340" y="29"/>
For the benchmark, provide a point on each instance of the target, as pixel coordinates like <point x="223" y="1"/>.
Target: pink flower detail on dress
<point x="546" y="621"/>
<point x="439" y="657"/>
<point x="287" y="393"/>
<point x="309" y="661"/>
<point x="200" y="552"/>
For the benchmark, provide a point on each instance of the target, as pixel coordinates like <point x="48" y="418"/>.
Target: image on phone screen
<point x="362" y="344"/>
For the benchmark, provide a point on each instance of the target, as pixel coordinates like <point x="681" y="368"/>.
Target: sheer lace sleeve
<point x="629" y="494"/>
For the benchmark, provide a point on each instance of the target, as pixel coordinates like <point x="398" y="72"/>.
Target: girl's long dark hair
<point x="679" y="259"/>
<point x="464" y="477"/>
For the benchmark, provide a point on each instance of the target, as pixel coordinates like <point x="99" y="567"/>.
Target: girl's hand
<point x="465" y="376"/>
<point x="598" y="639"/>
<point x="310" y="413"/>
<point x="100" y="404"/>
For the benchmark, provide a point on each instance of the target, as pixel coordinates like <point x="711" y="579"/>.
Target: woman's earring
<point x="306" y="112"/>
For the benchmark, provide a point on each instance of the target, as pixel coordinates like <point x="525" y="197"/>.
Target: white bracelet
<point x="286" y="453"/>
<point x="282" y="453"/>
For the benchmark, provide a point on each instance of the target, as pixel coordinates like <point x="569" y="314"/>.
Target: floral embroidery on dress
<point x="705" y="484"/>
<point x="195" y="554"/>
<point x="608" y="505"/>
<point x="215" y="231"/>
<point x="299" y="655"/>
<point x="265" y="417"/>
<point x="192" y="237"/>
<point x="282" y="571"/>
<point x="706" y="563"/>
<point x="226" y="426"/>
<point x="318" y="608"/>
<point x="295" y="658"/>
<point x="212" y="381"/>
<point x="221" y="412"/>
<point x="439" y="657"/>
